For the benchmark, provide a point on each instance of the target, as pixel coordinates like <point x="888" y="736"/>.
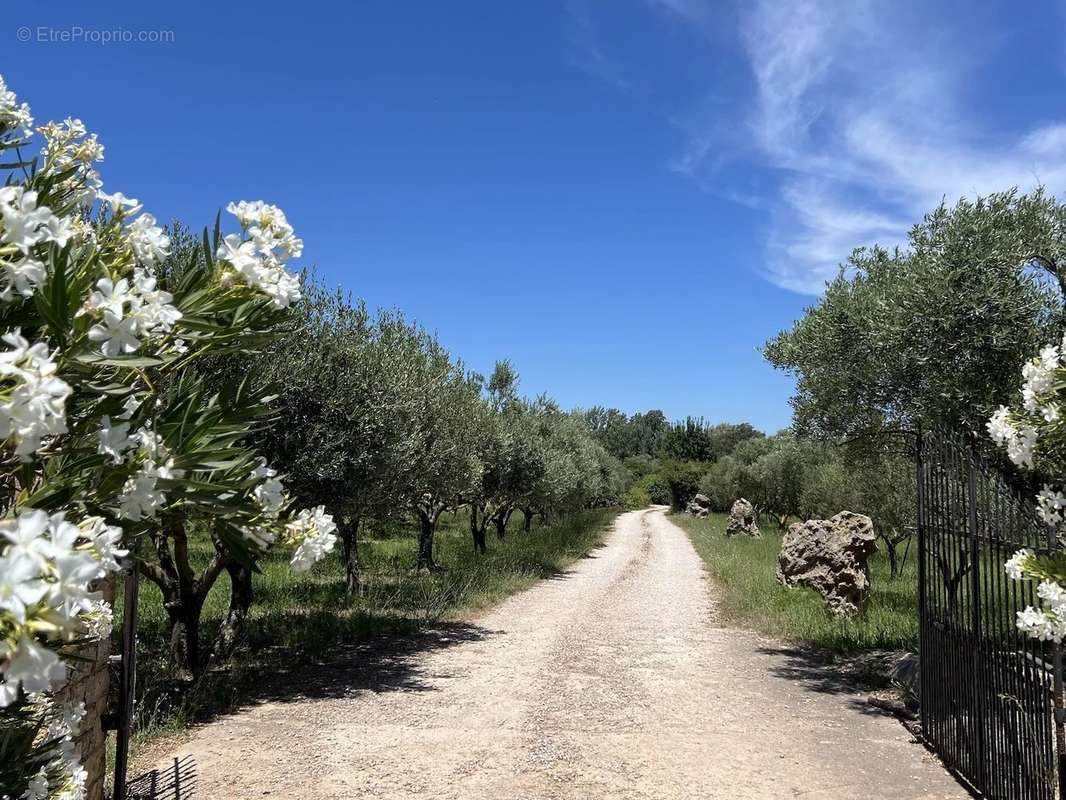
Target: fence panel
<point x="987" y="691"/>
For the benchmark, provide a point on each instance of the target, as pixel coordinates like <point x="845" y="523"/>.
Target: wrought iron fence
<point x="988" y="693"/>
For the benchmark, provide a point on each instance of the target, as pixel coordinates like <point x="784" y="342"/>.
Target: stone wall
<point x="88" y="683"/>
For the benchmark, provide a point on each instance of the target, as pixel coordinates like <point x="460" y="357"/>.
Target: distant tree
<point x="720" y="483"/>
<point x="829" y="488"/>
<point x="683" y="479"/>
<point x="623" y="436"/>
<point x="689" y="440"/>
<point x="724" y="437"/>
<point x="640" y="465"/>
<point x="775" y="481"/>
<point x="886" y="482"/>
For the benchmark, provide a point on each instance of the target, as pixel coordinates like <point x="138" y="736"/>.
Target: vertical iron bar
<point x="924" y="678"/>
<point x="128" y="677"/>
<point x="1059" y="712"/>
<point x="975" y="603"/>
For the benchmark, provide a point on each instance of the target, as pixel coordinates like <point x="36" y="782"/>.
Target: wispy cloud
<point x="586" y="51"/>
<point x="860" y="109"/>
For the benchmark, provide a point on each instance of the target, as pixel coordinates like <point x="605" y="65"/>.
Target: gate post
<point x="127" y="678"/>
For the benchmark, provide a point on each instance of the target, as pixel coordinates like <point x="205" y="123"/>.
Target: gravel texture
<point x="612" y="680"/>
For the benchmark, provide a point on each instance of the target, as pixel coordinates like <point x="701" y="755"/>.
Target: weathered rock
<point x="742" y="520"/>
<point x="699" y="506"/>
<point x="832" y="557"/>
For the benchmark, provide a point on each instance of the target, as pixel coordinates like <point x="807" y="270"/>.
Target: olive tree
<point x="448" y="416"/>
<point x="508" y="460"/>
<point x="348" y="387"/>
<point x="936" y="331"/>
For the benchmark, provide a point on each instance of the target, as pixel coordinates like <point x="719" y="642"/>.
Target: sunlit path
<point x="612" y="681"/>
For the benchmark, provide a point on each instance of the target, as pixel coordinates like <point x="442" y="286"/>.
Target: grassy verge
<point x="744" y="570"/>
<point x="301" y="619"/>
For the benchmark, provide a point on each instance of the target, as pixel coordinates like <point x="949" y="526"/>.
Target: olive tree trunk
<point x="427" y="527"/>
<point x="477" y="530"/>
<point x="240" y="602"/>
<point x="349" y="532"/>
<point x="184" y="593"/>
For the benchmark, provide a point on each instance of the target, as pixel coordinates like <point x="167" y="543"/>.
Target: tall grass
<point x="301" y="619"/>
<point x="744" y="570"/>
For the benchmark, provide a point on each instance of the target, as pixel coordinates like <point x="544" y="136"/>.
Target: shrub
<point x="636" y="497"/>
<point x="719" y="484"/>
<point x="657" y="489"/>
<point x="108" y="437"/>
<point x="683" y="480"/>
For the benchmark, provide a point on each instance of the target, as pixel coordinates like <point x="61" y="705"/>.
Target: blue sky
<point x="625" y="198"/>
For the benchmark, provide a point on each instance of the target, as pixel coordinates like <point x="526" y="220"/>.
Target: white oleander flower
<point x="147" y="240"/>
<point x="120" y="205"/>
<point x="152" y="309"/>
<point x="29" y="536"/>
<point x="33" y="405"/>
<point x="21" y="277"/>
<point x="999" y="426"/>
<point x="37" y="789"/>
<point x="140" y="497"/>
<point x="129" y="408"/>
<point x="1039" y="373"/>
<point x="238" y="253"/>
<point x="260" y="537"/>
<point x="260" y="260"/>
<point x="111" y="296"/>
<point x="21" y="585"/>
<point x="312" y="530"/>
<point x="69" y="148"/>
<point x="68" y="593"/>
<point x="1051" y="593"/>
<point x="101" y="620"/>
<point x="1050" y="504"/>
<point x="1021" y="447"/>
<point x="1036" y="624"/>
<point x="116" y="336"/>
<point x="114" y="439"/>
<point x="25" y="224"/>
<point x="105" y="541"/>
<point x="270" y="492"/>
<point x="14" y="115"/>
<point x="33" y="666"/>
<point x="1014" y="564"/>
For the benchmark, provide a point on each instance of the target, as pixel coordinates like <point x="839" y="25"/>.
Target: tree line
<point x="376" y="421"/>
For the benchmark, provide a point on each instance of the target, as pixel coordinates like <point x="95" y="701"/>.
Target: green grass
<point x="744" y="569"/>
<point x="300" y="619"/>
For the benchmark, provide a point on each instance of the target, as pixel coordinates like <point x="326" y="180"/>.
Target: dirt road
<point x="611" y="681"/>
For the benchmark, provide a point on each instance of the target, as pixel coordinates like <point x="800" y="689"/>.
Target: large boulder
<point x="742" y="520"/>
<point x="699" y="506"/>
<point x="832" y="557"/>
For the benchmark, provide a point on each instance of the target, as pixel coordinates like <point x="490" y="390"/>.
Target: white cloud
<point x="586" y="50"/>
<point x="860" y="107"/>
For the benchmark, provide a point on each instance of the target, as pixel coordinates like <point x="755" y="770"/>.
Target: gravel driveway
<point x="613" y="680"/>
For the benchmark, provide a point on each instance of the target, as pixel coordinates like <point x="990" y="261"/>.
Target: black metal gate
<point x="988" y="693"/>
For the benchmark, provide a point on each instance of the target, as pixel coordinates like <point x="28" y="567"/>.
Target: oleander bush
<point x="112" y="446"/>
